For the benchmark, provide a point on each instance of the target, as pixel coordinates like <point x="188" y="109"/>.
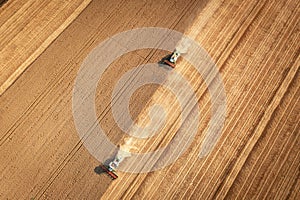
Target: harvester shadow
<point x="161" y="62"/>
<point x="99" y="170"/>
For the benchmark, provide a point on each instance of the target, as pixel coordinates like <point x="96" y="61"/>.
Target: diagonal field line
<point x="264" y="117"/>
<point x="10" y="131"/>
<point x="251" y="183"/>
<point x="278" y="160"/>
<point x="205" y="115"/>
<point x="199" y="146"/>
<point x="295" y="174"/>
<point x="269" y="83"/>
<point x="162" y="96"/>
<point x="274" y="73"/>
<point x="285" y="178"/>
<point x="229" y="123"/>
<point x="41" y="48"/>
<point x="177" y="178"/>
<point x="262" y="153"/>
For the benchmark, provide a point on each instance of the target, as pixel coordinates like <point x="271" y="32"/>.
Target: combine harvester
<point x="172" y="59"/>
<point x="182" y="47"/>
<point x="110" y="169"/>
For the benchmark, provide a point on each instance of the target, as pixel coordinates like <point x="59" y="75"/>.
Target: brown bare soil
<point x="256" y="47"/>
